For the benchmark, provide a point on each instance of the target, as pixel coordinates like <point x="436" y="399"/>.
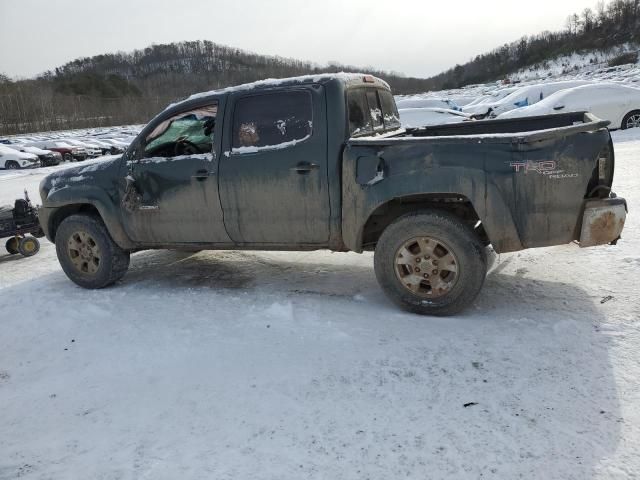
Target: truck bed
<point x="500" y="130"/>
<point x="526" y="179"/>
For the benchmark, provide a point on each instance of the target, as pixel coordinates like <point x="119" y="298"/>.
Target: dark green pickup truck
<point x="323" y="163"/>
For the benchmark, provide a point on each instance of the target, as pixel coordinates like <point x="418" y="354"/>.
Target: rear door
<point x="273" y="174"/>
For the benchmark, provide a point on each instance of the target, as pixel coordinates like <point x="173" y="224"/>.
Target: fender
<point x="103" y="201"/>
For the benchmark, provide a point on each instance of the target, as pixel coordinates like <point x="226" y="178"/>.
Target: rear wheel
<point x="12" y="245"/>
<point x="11" y="165"/>
<point x="631" y="120"/>
<point x="88" y="254"/>
<point x="28" y="246"/>
<point x="430" y="263"/>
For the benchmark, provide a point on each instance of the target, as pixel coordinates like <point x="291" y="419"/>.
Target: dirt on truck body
<point x="323" y="163"/>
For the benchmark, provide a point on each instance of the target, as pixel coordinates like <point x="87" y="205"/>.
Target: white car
<point x="423" y="117"/>
<point x="11" y="159"/>
<point x="492" y="97"/>
<point x="422" y="102"/>
<point x="521" y="97"/>
<point x="46" y="157"/>
<point x="92" y="149"/>
<point x="615" y="102"/>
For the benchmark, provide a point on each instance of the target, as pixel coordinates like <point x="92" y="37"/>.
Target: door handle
<point x="201" y="175"/>
<point x="305" y="167"/>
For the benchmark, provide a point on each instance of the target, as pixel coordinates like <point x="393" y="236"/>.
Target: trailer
<point x="20" y="224"/>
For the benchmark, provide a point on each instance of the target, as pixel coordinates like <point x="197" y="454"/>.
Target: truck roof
<point x="349" y="79"/>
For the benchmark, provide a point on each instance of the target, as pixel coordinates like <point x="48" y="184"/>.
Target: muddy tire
<point x="88" y="254"/>
<point x="28" y="246"/>
<point x="11" y="165"/>
<point x="12" y="246"/>
<point x="430" y="263"/>
<point x="631" y="120"/>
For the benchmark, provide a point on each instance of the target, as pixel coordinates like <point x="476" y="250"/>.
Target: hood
<point x="88" y="172"/>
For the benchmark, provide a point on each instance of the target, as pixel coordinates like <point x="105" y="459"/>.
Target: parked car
<point x="420" y="117"/>
<point x="11" y="159"/>
<point x="617" y="103"/>
<point x="319" y="162"/>
<point x="492" y="97"/>
<point x="106" y="148"/>
<point x="47" y="157"/>
<point x="521" y="97"/>
<point x="92" y="149"/>
<point x="422" y="102"/>
<point x="115" y="146"/>
<point x="69" y="152"/>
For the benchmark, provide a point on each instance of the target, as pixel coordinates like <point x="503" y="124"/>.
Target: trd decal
<point x="539" y="167"/>
<point x="549" y="168"/>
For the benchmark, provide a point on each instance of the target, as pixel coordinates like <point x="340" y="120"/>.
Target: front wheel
<point x="88" y="254"/>
<point x="430" y="263"/>
<point x="631" y="120"/>
<point x="12" y="165"/>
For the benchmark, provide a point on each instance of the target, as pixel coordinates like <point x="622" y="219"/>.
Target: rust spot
<point x="603" y="228"/>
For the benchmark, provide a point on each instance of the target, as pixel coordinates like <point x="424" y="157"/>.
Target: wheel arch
<point x="58" y="214"/>
<point x="387" y="212"/>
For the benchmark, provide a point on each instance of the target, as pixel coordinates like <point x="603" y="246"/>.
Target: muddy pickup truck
<point x="322" y="163"/>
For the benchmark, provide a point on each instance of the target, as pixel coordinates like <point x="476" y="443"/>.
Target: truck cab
<point x="259" y="162"/>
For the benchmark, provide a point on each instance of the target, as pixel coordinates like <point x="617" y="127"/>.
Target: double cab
<point x="322" y="162"/>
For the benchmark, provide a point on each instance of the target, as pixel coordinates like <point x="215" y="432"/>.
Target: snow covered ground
<point x="256" y="365"/>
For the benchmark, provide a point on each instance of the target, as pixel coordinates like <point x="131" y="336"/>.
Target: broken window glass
<point x="189" y="132"/>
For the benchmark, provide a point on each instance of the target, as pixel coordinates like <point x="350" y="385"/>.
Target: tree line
<point x="120" y="88"/>
<point x="608" y="26"/>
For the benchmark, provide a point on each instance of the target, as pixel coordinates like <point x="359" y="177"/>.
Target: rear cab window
<point x="371" y="110"/>
<point x="272" y="121"/>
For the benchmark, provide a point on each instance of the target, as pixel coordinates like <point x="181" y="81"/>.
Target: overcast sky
<point x="415" y="37"/>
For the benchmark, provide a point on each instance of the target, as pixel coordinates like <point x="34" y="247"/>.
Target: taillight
<point x="602" y="177"/>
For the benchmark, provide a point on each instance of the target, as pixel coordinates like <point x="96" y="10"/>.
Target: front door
<point x="172" y="197"/>
<point x="273" y="174"/>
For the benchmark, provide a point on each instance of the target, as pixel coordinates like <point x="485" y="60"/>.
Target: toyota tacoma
<point x="321" y="162"/>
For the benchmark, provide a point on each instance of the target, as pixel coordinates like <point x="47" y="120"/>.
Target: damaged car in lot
<point x="321" y="162"/>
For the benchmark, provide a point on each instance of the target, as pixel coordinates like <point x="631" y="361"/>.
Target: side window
<point x="358" y="111"/>
<point x="186" y="133"/>
<point x="375" y="111"/>
<point x="272" y="120"/>
<point x="390" y="114"/>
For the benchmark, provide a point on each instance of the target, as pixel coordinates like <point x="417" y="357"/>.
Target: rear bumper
<point x="602" y="221"/>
